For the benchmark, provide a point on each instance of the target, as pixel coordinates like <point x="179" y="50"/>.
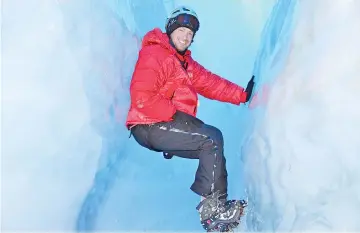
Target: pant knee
<point x="215" y="135"/>
<point x="219" y="137"/>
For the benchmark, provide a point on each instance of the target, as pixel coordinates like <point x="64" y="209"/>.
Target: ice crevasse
<point x="67" y="163"/>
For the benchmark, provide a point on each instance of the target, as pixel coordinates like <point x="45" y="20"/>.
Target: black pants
<point x="192" y="141"/>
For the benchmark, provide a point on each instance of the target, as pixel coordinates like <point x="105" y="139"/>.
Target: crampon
<point x="226" y="221"/>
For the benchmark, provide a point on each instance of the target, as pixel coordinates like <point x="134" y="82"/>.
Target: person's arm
<point x="144" y="89"/>
<point x="215" y="87"/>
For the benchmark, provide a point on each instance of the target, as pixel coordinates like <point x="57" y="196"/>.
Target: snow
<point x="68" y="163"/>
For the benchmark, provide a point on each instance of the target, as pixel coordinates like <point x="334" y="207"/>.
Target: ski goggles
<point x="189" y="21"/>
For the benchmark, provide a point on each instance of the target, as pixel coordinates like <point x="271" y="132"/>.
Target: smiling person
<point x="162" y="116"/>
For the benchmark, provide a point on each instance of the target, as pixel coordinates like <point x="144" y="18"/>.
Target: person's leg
<point x="203" y="142"/>
<point x="187" y="140"/>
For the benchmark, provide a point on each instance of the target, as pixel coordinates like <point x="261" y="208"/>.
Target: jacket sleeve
<point x="144" y="89"/>
<point x="215" y="87"/>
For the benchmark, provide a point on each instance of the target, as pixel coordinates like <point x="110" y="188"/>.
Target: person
<point x="164" y="102"/>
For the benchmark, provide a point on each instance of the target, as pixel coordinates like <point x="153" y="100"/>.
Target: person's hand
<point x="249" y="88"/>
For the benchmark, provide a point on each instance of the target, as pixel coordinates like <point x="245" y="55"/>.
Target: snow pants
<point x="192" y="141"/>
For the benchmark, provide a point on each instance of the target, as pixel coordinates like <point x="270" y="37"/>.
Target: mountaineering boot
<point x="218" y="214"/>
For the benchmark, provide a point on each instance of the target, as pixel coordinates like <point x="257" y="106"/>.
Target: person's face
<point x="182" y="38"/>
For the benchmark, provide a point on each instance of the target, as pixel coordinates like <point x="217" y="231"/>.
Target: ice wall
<point x="301" y="159"/>
<point x="49" y="151"/>
<point x="68" y="164"/>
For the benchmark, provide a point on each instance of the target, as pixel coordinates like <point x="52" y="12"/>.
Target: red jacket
<point x="160" y="85"/>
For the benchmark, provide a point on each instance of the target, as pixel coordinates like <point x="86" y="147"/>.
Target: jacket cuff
<point x="243" y="97"/>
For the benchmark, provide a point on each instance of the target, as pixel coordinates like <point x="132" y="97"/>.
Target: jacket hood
<point x="156" y="36"/>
